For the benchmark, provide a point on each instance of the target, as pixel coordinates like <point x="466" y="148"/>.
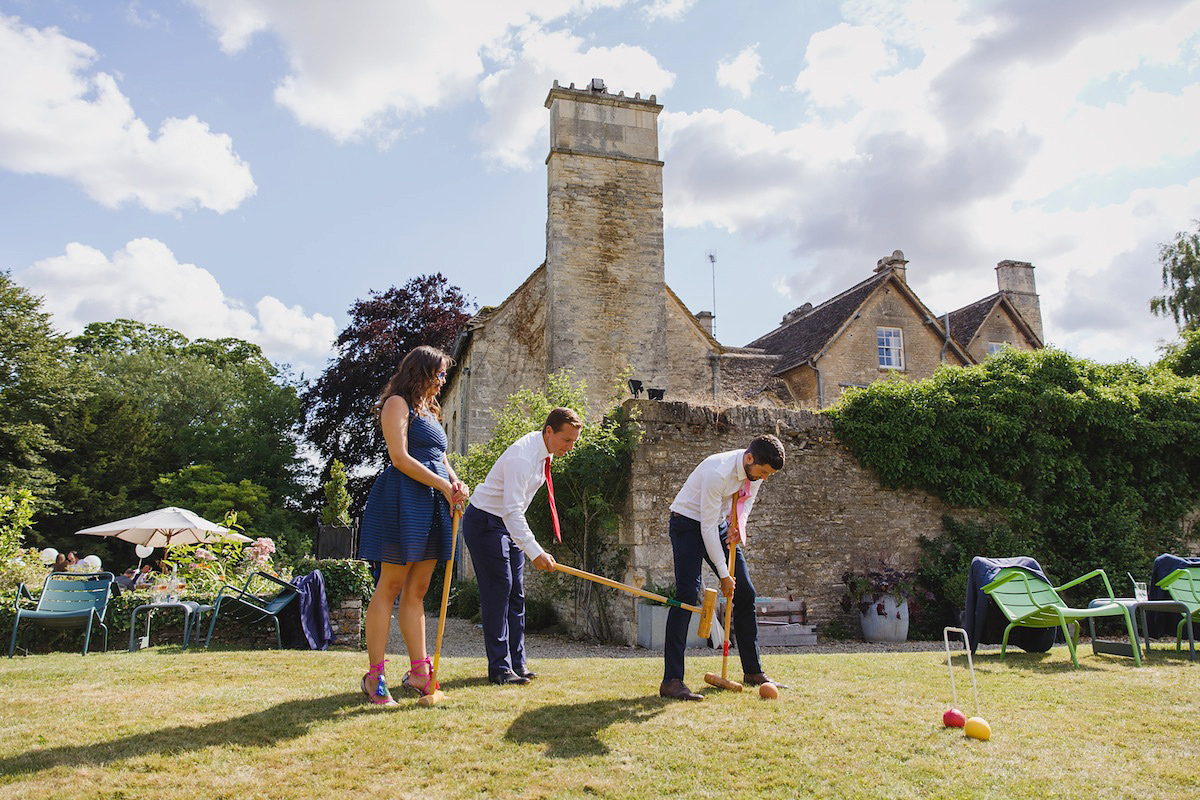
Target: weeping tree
<point x="1180" y="262"/>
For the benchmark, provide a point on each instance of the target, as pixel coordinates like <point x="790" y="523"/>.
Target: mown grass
<point x="265" y="724"/>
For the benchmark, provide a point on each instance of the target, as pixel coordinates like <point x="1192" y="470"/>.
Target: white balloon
<point x="143" y="550"/>
<point x="48" y="556"/>
<point x="91" y="562"/>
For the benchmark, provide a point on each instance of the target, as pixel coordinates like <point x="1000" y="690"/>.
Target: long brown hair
<point x="416" y="380"/>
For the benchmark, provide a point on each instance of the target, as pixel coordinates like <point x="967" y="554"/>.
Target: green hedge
<point x="1078" y="464"/>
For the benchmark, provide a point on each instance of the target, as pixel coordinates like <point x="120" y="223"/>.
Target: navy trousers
<point x="688" y="547"/>
<point x="499" y="568"/>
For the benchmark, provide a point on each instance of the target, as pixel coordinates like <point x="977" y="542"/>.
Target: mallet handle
<point x="578" y="573"/>
<point x="437" y="647"/>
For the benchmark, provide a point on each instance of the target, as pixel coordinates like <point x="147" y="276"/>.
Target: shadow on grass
<point x="571" y="730"/>
<point x="264" y="728"/>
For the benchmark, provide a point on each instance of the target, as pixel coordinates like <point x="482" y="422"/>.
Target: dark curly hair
<point x="416" y="380"/>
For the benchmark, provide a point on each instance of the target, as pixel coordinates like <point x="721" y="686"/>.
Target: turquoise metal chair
<point x="68" y="600"/>
<point x="1027" y="601"/>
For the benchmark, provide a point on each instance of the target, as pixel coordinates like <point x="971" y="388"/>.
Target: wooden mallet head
<point x="431" y="699"/>
<point x="707" y="609"/>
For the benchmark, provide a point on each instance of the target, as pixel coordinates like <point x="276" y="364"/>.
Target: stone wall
<point x="347" y="622"/>
<point x="998" y="327"/>
<point x="821" y="515"/>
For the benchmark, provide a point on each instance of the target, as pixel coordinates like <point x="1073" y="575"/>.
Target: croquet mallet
<point x="437" y="695"/>
<point x="706" y="609"/>
<point x="711" y="678"/>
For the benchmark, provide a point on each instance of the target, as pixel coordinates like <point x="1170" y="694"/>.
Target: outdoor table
<point x="1137" y="609"/>
<point x="189" y="608"/>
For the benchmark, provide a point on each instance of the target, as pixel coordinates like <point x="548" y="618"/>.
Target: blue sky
<point x="251" y="167"/>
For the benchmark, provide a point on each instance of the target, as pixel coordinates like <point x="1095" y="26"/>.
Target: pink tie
<point x="550" y="496"/>
<point x="738" y="506"/>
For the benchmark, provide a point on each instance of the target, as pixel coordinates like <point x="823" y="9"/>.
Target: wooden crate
<point x="781" y="622"/>
<point x="785" y="634"/>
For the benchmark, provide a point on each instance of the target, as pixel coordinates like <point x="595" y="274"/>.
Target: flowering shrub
<point x="259" y="553"/>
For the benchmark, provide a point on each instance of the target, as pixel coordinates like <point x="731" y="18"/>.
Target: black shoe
<point x="675" y="689"/>
<point x="528" y="674"/>
<point x="508" y="677"/>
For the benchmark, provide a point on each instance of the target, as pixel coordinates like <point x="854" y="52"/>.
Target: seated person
<point x="144" y="576"/>
<point x="126" y="580"/>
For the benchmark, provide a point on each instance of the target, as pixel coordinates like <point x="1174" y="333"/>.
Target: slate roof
<point x="966" y="321"/>
<point x="799" y="339"/>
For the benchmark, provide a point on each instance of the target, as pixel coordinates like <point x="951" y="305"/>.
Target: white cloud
<point x="144" y="281"/>
<point x="59" y="120"/>
<point x="740" y="72"/>
<point x="668" y="9"/>
<point x="368" y="68"/>
<point x="965" y="136"/>
<point x="515" y="133"/>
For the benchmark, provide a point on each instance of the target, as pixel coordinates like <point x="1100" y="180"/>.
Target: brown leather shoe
<point x="676" y="690"/>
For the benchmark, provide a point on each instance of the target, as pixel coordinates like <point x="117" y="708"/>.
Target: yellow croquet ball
<point x="978" y="728"/>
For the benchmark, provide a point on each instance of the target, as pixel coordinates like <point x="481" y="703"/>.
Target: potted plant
<point x="335" y="534"/>
<point x="881" y="596"/>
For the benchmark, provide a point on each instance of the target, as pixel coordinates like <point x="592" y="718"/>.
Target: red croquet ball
<point x="954" y="718"/>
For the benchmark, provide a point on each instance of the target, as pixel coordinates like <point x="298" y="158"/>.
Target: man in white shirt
<point x="699" y="530"/>
<point x="498" y="537"/>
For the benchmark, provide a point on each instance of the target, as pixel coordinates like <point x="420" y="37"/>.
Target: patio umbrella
<point x="165" y="527"/>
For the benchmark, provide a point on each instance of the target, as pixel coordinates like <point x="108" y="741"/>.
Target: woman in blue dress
<point x="406" y="523"/>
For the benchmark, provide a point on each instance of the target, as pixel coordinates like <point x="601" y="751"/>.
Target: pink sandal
<point x="430" y="685"/>
<point x="381" y="696"/>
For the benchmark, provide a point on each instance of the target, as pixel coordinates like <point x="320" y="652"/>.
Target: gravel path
<point x="463" y="639"/>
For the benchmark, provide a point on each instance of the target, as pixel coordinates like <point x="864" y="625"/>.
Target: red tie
<point x="550" y="495"/>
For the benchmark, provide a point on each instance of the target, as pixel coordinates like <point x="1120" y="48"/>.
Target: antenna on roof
<point x="711" y="255"/>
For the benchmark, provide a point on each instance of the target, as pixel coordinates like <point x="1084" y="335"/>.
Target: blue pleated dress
<point x="404" y="520"/>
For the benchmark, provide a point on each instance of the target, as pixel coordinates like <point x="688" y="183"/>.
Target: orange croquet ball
<point x="978" y="728"/>
<point x="768" y="691"/>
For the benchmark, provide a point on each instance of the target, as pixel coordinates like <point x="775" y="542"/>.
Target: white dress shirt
<point x="707" y="496"/>
<point x="510" y="486"/>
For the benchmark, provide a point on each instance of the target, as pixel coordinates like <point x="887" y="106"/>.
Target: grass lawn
<point x="166" y="723"/>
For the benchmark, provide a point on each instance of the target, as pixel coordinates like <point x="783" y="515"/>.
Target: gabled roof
<point x="798" y="340"/>
<point x="966" y="321"/>
<point x="809" y="334"/>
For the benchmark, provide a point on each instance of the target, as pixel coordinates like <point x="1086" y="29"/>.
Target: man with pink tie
<point x="699" y="531"/>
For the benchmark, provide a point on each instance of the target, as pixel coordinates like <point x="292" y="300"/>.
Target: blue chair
<point x="68" y="600"/>
<point x="241" y="605"/>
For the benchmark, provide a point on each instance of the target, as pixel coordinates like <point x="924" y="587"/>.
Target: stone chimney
<point x="896" y="263"/>
<point x="606" y="296"/>
<point x="705" y="318"/>
<point x="1015" y="279"/>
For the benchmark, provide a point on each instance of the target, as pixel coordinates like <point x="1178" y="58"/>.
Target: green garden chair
<point x="242" y="606"/>
<point x="1183" y="585"/>
<point x="1027" y="601"/>
<point x="68" y="600"/>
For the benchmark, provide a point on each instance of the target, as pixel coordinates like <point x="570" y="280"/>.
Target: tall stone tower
<point x="605" y="288"/>
<point x="1015" y="278"/>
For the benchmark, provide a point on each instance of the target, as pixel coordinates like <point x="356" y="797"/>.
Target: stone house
<point x="599" y="304"/>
